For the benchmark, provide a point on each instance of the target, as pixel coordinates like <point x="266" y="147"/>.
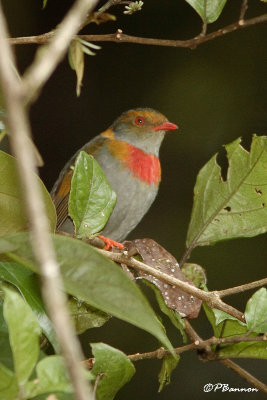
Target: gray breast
<point x="134" y="197"/>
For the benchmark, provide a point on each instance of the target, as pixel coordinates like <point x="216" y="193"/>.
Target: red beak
<point x="166" y="126"/>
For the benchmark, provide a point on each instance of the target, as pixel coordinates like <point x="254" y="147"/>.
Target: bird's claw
<point x="109" y="243"/>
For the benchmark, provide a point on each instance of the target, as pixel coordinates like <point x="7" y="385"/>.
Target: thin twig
<point x="99" y="376"/>
<point x="211" y="298"/>
<point x="109" y="4"/>
<point x="120" y="37"/>
<point x="244" y="7"/>
<point x="18" y="126"/>
<point x="48" y="58"/>
<point x="204" y="26"/>
<point x="242" y="288"/>
<point x="197" y="344"/>
<point x="245" y="374"/>
<point x="229" y="363"/>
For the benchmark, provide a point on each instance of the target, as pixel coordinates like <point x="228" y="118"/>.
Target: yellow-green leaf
<point x="236" y="207"/>
<point x="12" y="214"/>
<point x="76" y="60"/>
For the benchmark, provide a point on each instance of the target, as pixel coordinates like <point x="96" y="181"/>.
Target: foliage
<point x="209" y="10"/>
<point x="103" y="289"/>
<point x="90" y="205"/>
<point x="97" y="287"/>
<point x="233" y="208"/>
<point x="12" y="214"/>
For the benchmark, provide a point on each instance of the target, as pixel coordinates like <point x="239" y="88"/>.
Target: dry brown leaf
<point x="157" y="257"/>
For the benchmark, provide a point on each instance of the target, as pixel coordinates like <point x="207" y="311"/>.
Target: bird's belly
<point x="134" y="198"/>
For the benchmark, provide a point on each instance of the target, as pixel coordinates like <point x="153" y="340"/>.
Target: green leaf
<point x="24" y="332"/>
<point x="245" y="350"/>
<point x="26" y="282"/>
<point x="208" y="10"/>
<point x="2" y="122"/>
<point x="51" y="377"/>
<point x="116" y="368"/>
<point x="3" y="325"/>
<point x="233" y="208"/>
<point x="221" y="316"/>
<point x="76" y="61"/>
<point x="224" y="325"/>
<point x="256" y="311"/>
<point x="86" y="317"/>
<point x="174" y="316"/>
<point x="92" y="45"/>
<point x="168" y="365"/>
<point x="92" y="278"/>
<point x="8" y="384"/>
<point x="5" y="349"/>
<point x="195" y="273"/>
<point x="12" y="213"/>
<point x="88" y="51"/>
<point x="91" y="197"/>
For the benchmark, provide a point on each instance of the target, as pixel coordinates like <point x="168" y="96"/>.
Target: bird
<point x="128" y="153"/>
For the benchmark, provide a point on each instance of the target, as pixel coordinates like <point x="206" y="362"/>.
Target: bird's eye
<point x="139" y="120"/>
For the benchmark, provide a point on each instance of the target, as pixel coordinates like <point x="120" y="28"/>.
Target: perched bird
<point x="128" y="154"/>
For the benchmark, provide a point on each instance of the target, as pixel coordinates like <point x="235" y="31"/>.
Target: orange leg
<point x="109" y="243"/>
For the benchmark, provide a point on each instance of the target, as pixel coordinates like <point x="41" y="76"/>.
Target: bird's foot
<point x="109" y="243"/>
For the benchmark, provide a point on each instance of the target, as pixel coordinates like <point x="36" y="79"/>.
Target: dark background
<point x="215" y="94"/>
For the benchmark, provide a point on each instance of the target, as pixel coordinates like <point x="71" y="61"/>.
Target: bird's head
<point x="143" y="128"/>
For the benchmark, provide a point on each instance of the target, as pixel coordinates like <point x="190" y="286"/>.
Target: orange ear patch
<point x="109" y="134"/>
<point x="119" y="149"/>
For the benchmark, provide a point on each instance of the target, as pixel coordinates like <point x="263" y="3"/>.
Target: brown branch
<point x="99" y="376"/>
<point x="242" y="288"/>
<point x="19" y="128"/>
<point x="245" y="374"/>
<point x="109" y="4"/>
<point x="120" y="37"/>
<point x="196" y="345"/>
<point x="229" y="363"/>
<point x="48" y="58"/>
<point x="211" y="298"/>
<point x="243" y="10"/>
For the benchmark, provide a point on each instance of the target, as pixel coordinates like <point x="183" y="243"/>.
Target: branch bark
<point x="229" y="363"/>
<point x="15" y="93"/>
<point x="49" y="57"/>
<point x="242" y="288"/>
<point x="211" y="298"/>
<point x="198" y="344"/>
<point x="120" y="37"/>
